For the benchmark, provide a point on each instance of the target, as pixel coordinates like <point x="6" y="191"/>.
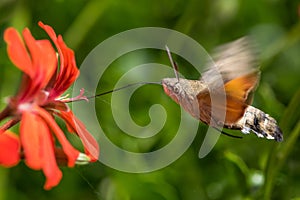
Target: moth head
<point x="172" y="88"/>
<point x="178" y="89"/>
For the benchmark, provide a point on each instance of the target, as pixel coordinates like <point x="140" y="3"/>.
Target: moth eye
<point x="176" y="88"/>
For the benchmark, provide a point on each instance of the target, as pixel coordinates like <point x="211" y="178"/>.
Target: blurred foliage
<point x="250" y="168"/>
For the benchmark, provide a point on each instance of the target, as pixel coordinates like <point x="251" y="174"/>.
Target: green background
<point x="251" y="168"/>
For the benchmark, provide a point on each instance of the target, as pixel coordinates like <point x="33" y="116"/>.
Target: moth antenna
<point x="117" y="89"/>
<point x="174" y="65"/>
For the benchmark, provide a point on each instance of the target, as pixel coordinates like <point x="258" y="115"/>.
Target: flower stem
<point x="3" y="182"/>
<point x="10" y="123"/>
<point x="5" y="113"/>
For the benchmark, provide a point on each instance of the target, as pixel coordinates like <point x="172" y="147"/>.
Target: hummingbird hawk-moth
<point x="237" y="64"/>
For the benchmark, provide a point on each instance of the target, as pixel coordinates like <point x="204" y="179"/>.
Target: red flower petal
<point x="38" y="147"/>
<point x="39" y="63"/>
<point x="67" y="147"/>
<point x="17" y="51"/>
<point x="9" y="148"/>
<point x="43" y="58"/>
<point x="50" y="168"/>
<point x="91" y="146"/>
<point x="68" y="71"/>
<point x="32" y="130"/>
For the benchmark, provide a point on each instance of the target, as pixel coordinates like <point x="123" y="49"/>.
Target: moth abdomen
<point x="259" y="123"/>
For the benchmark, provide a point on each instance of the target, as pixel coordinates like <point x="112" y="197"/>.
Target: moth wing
<point x="231" y="61"/>
<point x="241" y="88"/>
<point x="233" y="109"/>
<point x="237" y="97"/>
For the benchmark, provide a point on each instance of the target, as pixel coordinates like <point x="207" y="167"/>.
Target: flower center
<point x="24" y="107"/>
<point x="42" y="98"/>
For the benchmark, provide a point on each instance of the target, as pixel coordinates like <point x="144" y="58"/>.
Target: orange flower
<point x="46" y="77"/>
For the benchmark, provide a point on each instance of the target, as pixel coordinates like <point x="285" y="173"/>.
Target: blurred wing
<point x="231" y="61"/>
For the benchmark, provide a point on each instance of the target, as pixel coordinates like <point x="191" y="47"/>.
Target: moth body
<point x="223" y="94"/>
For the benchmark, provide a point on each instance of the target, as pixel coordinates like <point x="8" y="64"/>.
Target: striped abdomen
<point x="260" y="123"/>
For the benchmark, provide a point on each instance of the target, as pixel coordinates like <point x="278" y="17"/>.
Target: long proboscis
<point x="120" y="88"/>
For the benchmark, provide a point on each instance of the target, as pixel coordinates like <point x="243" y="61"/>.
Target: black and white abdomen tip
<point x="260" y="123"/>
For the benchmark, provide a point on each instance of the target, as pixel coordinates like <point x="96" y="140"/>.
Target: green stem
<point x="3" y="182"/>
<point x="276" y="162"/>
<point x="239" y="162"/>
<point x="279" y="154"/>
<point x="84" y="22"/>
